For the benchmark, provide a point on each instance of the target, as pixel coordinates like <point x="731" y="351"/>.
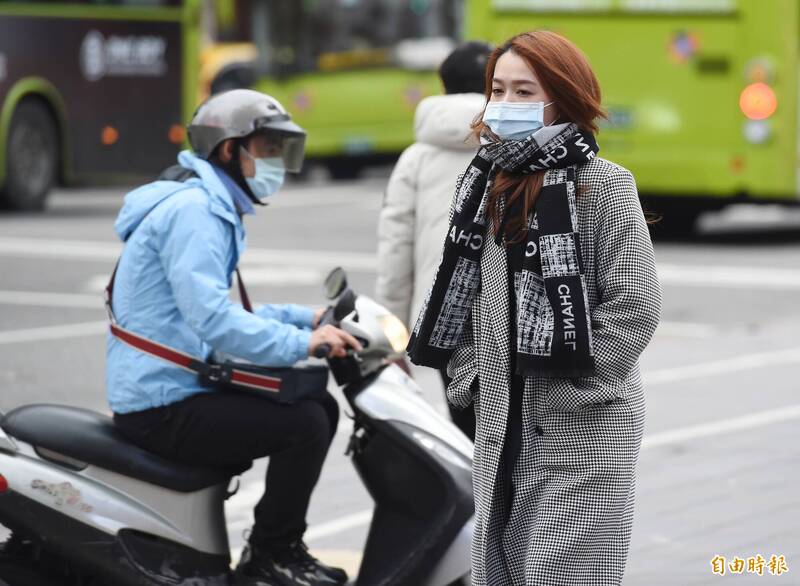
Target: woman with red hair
<point x="545" y="296"/>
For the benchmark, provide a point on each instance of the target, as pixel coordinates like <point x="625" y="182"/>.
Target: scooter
<point x="86" y="507"/>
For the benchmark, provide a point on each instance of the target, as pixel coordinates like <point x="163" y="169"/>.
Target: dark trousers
<point x="463" y="418"/>
<point x="227" y="429"/>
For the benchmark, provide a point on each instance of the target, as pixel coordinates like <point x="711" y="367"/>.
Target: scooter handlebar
<point x="322" y="351"/>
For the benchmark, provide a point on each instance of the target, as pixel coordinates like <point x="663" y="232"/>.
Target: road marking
<point x="339" y="525"/>
<point x="347" y="198"/>
<point x="51" y="248"/>
<point x="681" y="435"/>
<point x="729" y="276"/>
<point x="655" y="377"/>
<point x="91" y="328"/>
<point x="773" y="278"/>
<point x="109" y="251"/>
<point x="37" y="298"/>
<point x="253" y="274"/>
<point x="276" y="277"/>
<point x="724" y="366"/>
<point x="674" y="329"/>
<point x="723" y="426"/>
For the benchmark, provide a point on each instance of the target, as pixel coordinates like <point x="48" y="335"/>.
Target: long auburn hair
<point x="564" y="73"/>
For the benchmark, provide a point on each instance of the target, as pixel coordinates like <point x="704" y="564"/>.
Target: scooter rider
<point x="183" y="238"/>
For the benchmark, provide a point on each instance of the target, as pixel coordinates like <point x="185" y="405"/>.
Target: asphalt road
<point x="719" y="467"/>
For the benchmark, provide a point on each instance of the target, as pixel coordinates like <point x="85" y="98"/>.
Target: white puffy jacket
<point x="414" y="219"/>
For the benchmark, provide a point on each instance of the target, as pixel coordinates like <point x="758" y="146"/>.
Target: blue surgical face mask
<point x="514" y="120"/>
<point x="269" y="176"/>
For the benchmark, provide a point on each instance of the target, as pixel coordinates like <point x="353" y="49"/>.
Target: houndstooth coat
<point x="570" y="519"/>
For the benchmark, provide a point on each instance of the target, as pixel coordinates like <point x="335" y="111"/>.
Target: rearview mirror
<point x="335" y="283"/>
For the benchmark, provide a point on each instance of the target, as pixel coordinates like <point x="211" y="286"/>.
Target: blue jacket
<point x="182" y="244"/>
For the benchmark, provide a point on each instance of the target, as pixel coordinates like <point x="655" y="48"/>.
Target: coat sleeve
<point x="396" y="229"/>
<point x="193" y="250"/>
<point x="288" y="313"/>
<point x="629" y="307"/>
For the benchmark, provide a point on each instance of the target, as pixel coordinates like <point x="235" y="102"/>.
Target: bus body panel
<point x="354" y="112"/>
<point x="121" y="78"/>
<point x="120" y="83"/>
<point x="671" y="82"/>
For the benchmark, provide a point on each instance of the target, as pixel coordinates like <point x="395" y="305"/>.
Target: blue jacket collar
<point x="240" y="198"/>
<point x="222" y="201"/>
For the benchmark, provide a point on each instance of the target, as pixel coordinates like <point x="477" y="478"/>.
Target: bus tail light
<point x="109" y="135"/>
<point x="176" y="134"/>
<point x="758" y="101"/>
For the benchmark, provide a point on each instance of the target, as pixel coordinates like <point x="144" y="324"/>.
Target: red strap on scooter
<point x="214" y="372"/>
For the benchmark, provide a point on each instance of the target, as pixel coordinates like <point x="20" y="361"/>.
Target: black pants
<point x="228" y="429"/>
<point x="463" y="418"/>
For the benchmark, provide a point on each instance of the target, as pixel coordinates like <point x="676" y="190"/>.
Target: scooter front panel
<point x="394" y="396"/>
<point x="7" y="444"/>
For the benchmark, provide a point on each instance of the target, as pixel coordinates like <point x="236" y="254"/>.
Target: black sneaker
<point x="290" y="566"/>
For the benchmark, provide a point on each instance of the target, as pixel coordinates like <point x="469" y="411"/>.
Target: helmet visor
<point x="293" y="152"/>
<point x="290" y="146"/>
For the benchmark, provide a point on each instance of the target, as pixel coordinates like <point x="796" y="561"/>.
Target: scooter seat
<point x="92" y="438"/>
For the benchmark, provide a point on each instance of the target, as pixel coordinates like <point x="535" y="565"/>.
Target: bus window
<point x="327" y="35"/>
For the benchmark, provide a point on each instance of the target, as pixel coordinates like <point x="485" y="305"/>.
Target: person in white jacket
<point x="414" y="217"/>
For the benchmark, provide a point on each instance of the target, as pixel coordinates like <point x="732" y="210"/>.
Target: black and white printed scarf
<point x="554" y="337"/>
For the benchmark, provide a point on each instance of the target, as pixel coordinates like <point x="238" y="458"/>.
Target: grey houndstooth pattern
<point x="570" y="519"/>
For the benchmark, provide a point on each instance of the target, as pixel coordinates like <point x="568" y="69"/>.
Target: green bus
<point x="350" y="71"/>
<point x="92" y="91"/>
<point x="702" y="94"/>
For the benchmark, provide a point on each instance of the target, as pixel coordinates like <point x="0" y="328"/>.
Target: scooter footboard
<point x="423" y="501"/>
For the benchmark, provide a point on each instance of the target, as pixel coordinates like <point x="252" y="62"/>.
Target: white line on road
<point x="721" y="427"/>
<point x="87" y="250"/>
<point x="739" y="277"/>
<point x="253" y="274"/>
<point x="37" y="298"/>
<point x="91" y="328"/>
<point x="676" y="329"/>
<point x="275" y="276"/>
<point x="51" y="248"/>
<point x="681" y="435"/>
<point x="723" y="366"/>
<point x="339" y="525"/>
<point x="347" y="198"/>
<point x="654" y="377"/>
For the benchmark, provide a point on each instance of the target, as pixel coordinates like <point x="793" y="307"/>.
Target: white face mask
<point x="269" y="176"/>
<point x="514" y="120"/>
